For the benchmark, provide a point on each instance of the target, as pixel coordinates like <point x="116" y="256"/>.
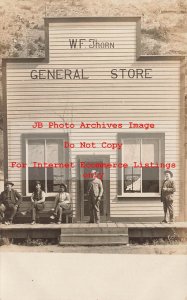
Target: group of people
<point x="10" y="200"/>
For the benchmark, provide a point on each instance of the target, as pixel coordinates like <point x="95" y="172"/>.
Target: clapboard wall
<point x="100" y="98"/>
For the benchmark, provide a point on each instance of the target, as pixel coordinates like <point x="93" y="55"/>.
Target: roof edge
<point x="160" y="57"/>
<point x="91" y="19"/>
<point x="140" y="58"/>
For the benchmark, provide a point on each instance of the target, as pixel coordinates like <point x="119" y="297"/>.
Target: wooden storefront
<point x="93" y="74"/>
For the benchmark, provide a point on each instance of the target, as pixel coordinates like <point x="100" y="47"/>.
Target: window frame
<point x="40" y="137"/>
<point x="141" y="136"/>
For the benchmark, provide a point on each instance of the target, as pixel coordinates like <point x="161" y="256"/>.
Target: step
<point x="93" y="239"/>
<point x="93" y="230"/>
<point x="94" y="235"/>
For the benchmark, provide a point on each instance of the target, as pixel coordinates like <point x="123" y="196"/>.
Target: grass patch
<point x="4" y="47"/>
<point x="182" y="6"/>
<point x="147" y="50"/>
<point x="15" y="54"/>
<point x="5" y="241"/>
<point x="2" y="12"/>
<point x="169" y="240"/>
<point x="158" y="33"/>
<point x="26" y="7"/>
<point x="18" y="47"/>
<point x="35" y="242"/>
<point x="31" y="49"/>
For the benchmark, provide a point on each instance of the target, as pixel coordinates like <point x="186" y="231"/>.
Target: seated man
<point x="10" y="200"/>
<point x="37" y="202"/>
<point x="62" y="203"/>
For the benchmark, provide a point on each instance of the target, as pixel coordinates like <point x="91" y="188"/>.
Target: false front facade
<point x="95" y="103"/>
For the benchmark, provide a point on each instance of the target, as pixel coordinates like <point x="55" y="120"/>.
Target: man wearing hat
<point x="95" y="192"/>
<point x="62" y="202"/>
<point x="10" y="200"/>
<point x="167" y="196"/>
<point x="37" y="201"/>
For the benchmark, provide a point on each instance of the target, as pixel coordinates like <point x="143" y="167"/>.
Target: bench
<point x="44" y="215"/>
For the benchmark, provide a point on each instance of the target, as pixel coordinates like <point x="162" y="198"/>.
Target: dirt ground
<point x="179" y="249"/>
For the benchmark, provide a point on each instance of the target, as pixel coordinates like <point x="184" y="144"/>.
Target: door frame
<point x="80" y="182"/>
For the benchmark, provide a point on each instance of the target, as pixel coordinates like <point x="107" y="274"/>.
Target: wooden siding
<point x="100" y="98"/>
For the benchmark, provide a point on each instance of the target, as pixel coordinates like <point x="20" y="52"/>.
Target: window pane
<point x="132" y="180"/>
<point x="150" y="150"/>
<point x="36" y="174"/>
<point x="150" y="180"/>
<point x="131" y="151"/>
<point x="52" y="151"/>
<point x="35" y="152"/>
<point x="55" y="176"/>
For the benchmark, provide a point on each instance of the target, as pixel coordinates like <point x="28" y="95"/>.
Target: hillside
<point x="164" y="23"/>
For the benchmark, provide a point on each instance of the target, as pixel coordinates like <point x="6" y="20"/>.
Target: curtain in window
<point x="143" y="179"/>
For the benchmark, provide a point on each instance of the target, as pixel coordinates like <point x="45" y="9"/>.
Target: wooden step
<point x="93" y="234"/>
<point x="95" y="228"/>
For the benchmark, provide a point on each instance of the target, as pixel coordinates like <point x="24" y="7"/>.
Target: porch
<point x="94" y="234"/>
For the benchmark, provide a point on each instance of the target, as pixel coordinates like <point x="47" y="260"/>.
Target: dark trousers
<point x="168" y="207"/>
<point x="35" y="208"/>
<point x="2" y="212"/>
<point x="8" y="212"/>
<point x="94" y="209"/>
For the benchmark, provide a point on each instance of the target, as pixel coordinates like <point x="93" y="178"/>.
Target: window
<point x="38" y="151"/>
<point x="138" y="150"/>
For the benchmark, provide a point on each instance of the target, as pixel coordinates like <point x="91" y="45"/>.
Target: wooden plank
<point x="90" y="24"/>
<point x="115" y="110"/>
<point x="124" y="213"/>
<point x="91" y="239"/>
<point x="99" y="55"/>
<point x="56" y="75"/>
<point x="93" y="68"/>
<point x="79" y="32"/>
<point x="148" y="64"/>
<point x="96" y="52"/>
<point x="98" y="90"/>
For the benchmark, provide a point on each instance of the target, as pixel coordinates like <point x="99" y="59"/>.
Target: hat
<point x="169" y="172"/>
<point x="93" y="171"/>
<point x="9" y="182"/>
<point x="63" y="185"/>
<point x="37" y="182"/>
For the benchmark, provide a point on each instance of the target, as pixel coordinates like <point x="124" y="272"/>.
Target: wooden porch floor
<point x="88" y="225"/>
<point x="103" y="231"/>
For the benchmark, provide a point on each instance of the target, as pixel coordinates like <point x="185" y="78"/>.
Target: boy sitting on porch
<point x="37" y="201"/>
<point x="62" y="202"/>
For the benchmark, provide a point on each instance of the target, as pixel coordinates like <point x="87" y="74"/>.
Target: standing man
<point x="10" y="200"/>
<point x="167" y="196"/>
<point x="37" y="201"/>
<point x="95" y="192"/>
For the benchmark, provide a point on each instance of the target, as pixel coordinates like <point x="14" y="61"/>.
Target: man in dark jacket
<point x="95" y="192"/>
<point x="10" y="200"/>
<point x="167" y="196"/>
